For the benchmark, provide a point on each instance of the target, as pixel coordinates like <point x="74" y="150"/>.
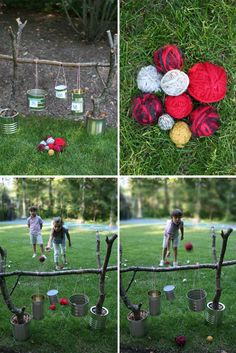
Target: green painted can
<point x="61" y="91"/>
<point x="77" y="105"/>
<point x="36" y="99"/>
<point x="9" y="124"/>
<point x="95" y="126"/>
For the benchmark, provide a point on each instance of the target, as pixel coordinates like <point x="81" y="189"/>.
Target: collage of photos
<point x="117" y="176"/>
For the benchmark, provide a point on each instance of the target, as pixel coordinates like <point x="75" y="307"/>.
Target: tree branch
<point x="98" y="257"/>
<point x="131" y="281"/>
<point x="101" y="298"/>
<point x="216" y="299"/>
<point x="54" y="62"/>
<point x="214" y="245"/>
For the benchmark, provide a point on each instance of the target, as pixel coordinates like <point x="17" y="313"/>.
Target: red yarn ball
<point x="51" y="146"/>
<point x="58" y="148"/>
<point x="168" y="58"/>
<point x="146" y="109"/>
<point x="204" y="121"/>
<point x="180" y="340"/>
<point x="52" y="307"/>
<point x="41" y="147"/>
<point x="60" y="141"/>
<point x="207" y="82"/>
<point x="178" y="106"/>
<point x="188" y="246"/>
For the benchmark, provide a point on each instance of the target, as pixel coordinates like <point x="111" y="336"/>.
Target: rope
<point x="78" y="77"/>
<point x="36" y="74"/>
<point x="61" y="68"/>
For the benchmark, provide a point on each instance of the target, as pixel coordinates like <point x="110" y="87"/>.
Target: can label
<point x="33" y="102"/>
<point x="77" y="106"/>
<point x="61" y="94"/>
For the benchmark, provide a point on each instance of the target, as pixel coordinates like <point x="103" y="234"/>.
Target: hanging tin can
<point x="52" y="296"/>
<point x="38" y="306"/>
<point x="36" y="99"/>
<point x="169" y="291"/>
<point x="61" y="91"/>
<point x="8" y="123"/>
<point x="77" y="105"/>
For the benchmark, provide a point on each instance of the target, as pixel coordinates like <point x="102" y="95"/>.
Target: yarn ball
<point x="174" y="82"/>
<point x="179" y="107"/>
<point x="207" y="82"/>
<point x="57" y="148"/>
<point x="52" y="307"/>
<point x="180" y="134"/>
<point x="51" y="146"/>
<point x="209" y="339"/>
<point x="149" y="79"/>
<point x="43" y="143"/>
<point x="165" y="122"/>
<point x="41" y="147"/>
<point x="64" y="301"/>
<point x="50" y="140"/>
<point x="168" y="58"/>
<point x="51" y="152"/>
<point x="146" y="109"/>
<point x="42" y="258"/>
<point x="180" y="340"/>
<point x="60" y="141"/>
<point x="46" y="148"/>
<point x="188" y="246"/>
<point x="204" y="121"/>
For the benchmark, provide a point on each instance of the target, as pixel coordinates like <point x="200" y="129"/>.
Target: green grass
<point x="59" y="331"/>
<point x="205" y="31"/>
<point x="85" y="154"/>
<point x="142" y="245"/>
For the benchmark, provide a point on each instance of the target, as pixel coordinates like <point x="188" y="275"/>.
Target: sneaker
<point x="161" y="263"/>
<point x="34" y="255"/>
<point x="175" y="264"/>
<point x="57" y="268"/>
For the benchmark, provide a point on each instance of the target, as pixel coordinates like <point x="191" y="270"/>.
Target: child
<point x="172" y="229"/>
<point x="58" y="238"/>
<point x="35" y="224"/>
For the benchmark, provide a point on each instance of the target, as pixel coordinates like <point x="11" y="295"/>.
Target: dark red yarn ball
<point x="146" y="109"/>
<point x="188" y="246"/>
<point x="204" y="121"/>
<point x="168" y="58"/>
<point x="207" y="82"/>
<point x="180" y="340"/>
<point x="179" y="106"/>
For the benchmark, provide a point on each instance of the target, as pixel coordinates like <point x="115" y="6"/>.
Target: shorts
<point x="175" y="242"/>
<point x="36" y="238"/>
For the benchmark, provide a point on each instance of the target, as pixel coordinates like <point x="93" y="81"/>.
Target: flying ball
<point x="209" y="339"/>
<point x="188" y="246"/>
<point x="42" y="258"/>
<point x="180" y="340"/>
<point x="51" y="152"/>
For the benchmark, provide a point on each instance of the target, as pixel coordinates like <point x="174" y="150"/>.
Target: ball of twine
<point x="204" y="121"/>
<point x="180" y="106"/>
<point x="168" y="58"/>
<point x="146" y="109"/>
<point x="207" y="82"/>
<point x="174" y="82"/>
<point x="149" y="79"/>
<point x="165" y="122"/>
<point x="180" y="134"/>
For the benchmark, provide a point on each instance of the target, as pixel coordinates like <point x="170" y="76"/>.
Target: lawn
<point x="59" y="331"/>
<point x="85" y="154"/>
<point x="142" y="246"/>
<point x="205" y="31"/>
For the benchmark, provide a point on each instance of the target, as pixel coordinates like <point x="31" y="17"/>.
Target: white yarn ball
<point x="165" y="122"/>
<point x="175" y="82"/>
<point x="46" y="148"/>
<point x="50" y="140"/>
<point x="43" y="143"/>
<point x="149" y="79"/>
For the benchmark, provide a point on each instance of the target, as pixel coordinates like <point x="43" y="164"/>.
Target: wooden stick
<point x="214" y="244"/>
<point x="98" y="257"/>
<point x="216" y="300"/>
<point x="53" y="62"/>
<point x="175" y="269"/>
<point x="101" y="298"/>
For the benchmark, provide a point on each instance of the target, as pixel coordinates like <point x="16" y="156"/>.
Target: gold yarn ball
<point x="51" y="152"/>
<point x="180" y="134"/>
<point x="209" y="339"/>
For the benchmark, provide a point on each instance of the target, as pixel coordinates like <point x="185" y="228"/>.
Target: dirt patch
<point x="48" y="36"/>
<point x="7" y="350"/>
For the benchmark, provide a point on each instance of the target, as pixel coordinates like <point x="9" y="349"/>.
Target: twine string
<point x="36" y="74"/>
<point x="78" y="77"/>
<point x="61" y="68"/>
